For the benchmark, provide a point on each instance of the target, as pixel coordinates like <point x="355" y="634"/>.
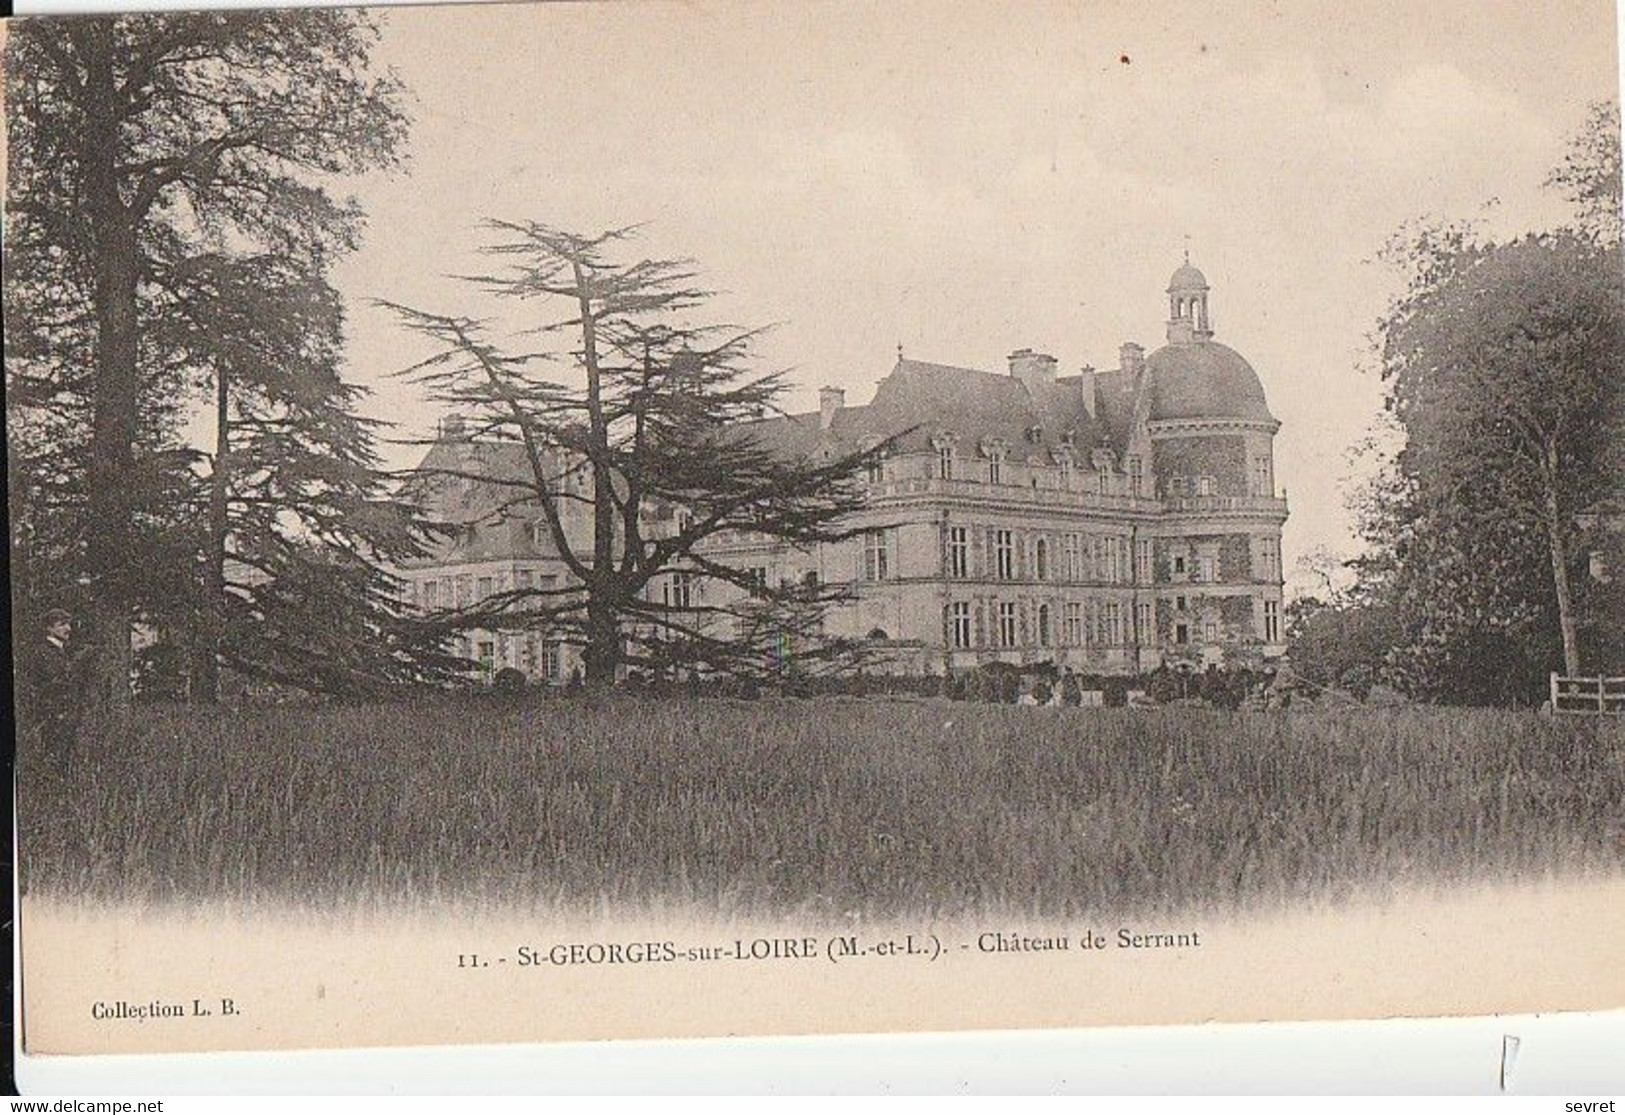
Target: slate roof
<point x="921" y="400"/>
<point x="458" y="500"/>
<point x="1204" y="379"/>
<point x="1187" y="278"/>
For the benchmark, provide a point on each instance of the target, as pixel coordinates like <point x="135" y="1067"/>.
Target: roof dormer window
<point x="994" y="449"/>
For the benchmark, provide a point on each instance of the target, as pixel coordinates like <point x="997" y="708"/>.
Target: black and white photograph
<point x="546" y="522"/>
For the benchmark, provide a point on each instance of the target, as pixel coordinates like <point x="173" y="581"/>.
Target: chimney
<point x="1086" y="387"/>
<point x="1035" y="370"/>
<point x="1131" y="358"/>
<point x="830" y="402"/>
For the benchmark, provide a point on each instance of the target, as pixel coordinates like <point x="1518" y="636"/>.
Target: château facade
<point x="1106" y="522"/>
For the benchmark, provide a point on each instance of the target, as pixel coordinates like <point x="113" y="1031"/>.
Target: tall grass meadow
<point x="820" y="808"/>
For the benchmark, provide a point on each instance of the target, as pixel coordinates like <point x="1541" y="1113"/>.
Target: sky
<point x="966" y="179"/>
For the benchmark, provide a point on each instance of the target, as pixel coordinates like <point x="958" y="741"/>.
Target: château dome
<point x="1204" y="379"/>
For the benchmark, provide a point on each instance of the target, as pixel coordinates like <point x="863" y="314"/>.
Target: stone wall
<point x="1223" y="457"/>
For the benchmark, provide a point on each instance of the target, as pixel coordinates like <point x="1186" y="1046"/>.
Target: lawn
<point x="827" y="807"/>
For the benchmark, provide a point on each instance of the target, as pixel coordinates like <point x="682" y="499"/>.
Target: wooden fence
<point x="1597" y="696"/>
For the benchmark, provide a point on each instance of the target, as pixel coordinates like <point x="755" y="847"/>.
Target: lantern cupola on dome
<point x="1187" y="306"/>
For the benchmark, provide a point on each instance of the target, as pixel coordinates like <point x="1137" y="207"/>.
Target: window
<point x="1043" y="625"/>
<point x="678" y="591"/>
<point x="1004" y="555"/>
<point x="1007" y="624"/>
<point x="1272" y="621"/>
<point x="1182" y="634"/>
<point x="1176" y="487"/>
<point x="877" y="470"/>
<point x="485" y="588"/>
<point x="1103" y="482"/>
<point x="539" y="536"/>
<point x="1204" y="485"/>
<point x="1269" y="561"/>
<point x="1142" y="561"/>
<point x="1203" y="570"/>
<point x="685" y="519"/>
<point x="1072" y="618"/>
<point x="1263" y="482"/>
<point x="959" y="551"/>
<point x="876" y="555"/>
<point x="757" y="576"/>
<point x="487" y="655"/>
<point x="1066" y="473"/>
<point x="1041" y="559"/>
<point x="1113" y="624"/>
<point x="1136" y="476"/>
<point x="1179" y="564"/>
<point x="1210" y="632"/>
<point x="1144" y="633"/>
<point x="945" y="462"/>
<point x="1179" y="603"/>
<point x="431" y="594"/>
<point x="959" y="628"/>
<point x="525" y="578"/>
<point x="551" y="664"/>
<point x="995" y="470"/>
<point x="1069" y="555"/>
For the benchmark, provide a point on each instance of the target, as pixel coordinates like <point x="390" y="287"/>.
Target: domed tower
<point x="1218" y="563"/>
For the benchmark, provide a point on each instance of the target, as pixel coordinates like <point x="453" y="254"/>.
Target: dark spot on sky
<point x="1123" y="59"/>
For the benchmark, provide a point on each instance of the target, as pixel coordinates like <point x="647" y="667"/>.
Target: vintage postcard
<point x="600" y="521"/>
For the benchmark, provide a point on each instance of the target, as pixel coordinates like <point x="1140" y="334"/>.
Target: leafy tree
<point x="637" y="433"/>
<point x="1504" y="375"/>
<point x="1343" y="645"/>
<point x="1503" y="424"/>
<point x="141" y="147"/>
<point x="1589" y="175"/>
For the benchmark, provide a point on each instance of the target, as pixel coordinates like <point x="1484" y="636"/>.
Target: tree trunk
<point x="1557" y="537"/>
<point x="603" y="650"/>
<point x="115" y="379"/>
<point x="603" y="615"/>
<point x="212" y="619"/>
